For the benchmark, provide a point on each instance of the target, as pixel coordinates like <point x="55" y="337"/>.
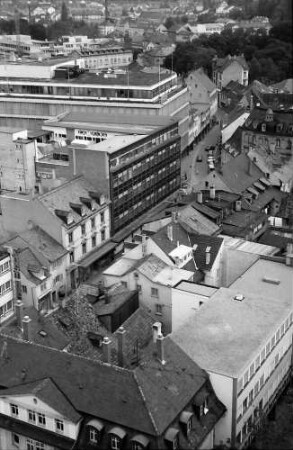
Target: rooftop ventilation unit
<point x="271" y="280"/>
<point x="239" y="297"/>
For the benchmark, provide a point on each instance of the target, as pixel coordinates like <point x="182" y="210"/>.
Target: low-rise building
<point x="74" y="214"/>
<point x="166" y="401"/>
<point x="40" y="269"/>
<point x="243" y="338"/>
<point x="231" y="68"/>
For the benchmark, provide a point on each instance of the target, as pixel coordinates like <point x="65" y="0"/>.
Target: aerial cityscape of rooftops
<point x="146" y="225"/>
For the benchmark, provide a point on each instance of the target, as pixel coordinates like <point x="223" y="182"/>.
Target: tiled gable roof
<point x="147" y="399"/>
<point x="58" y="201"/>
<point x="47" y="391"/>
<point x="222" y="63"/>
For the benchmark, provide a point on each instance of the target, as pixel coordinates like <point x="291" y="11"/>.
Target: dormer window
<point x="172" y="438"/>
<point x="78" y="208"/>
<point x="263" y="127"/>
<point x="95" y="428"/>
<point x="186" y="421"/>
<point x="117" y="436"/>
<point x="279" y="127"/>
<point x="269" y="115"/>
<point x="139" y="442"/>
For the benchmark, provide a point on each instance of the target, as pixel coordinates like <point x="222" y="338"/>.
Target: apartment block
<point x="6" y="287"/>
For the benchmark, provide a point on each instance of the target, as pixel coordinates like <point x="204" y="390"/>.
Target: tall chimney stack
<point x="121" y="345"/>
<point x="19" y="313"/>
<point x="170" y="232"/>
<point x="208" y="256"/>
<point x="157" y="330"/>
<point x="212" y="192"/>
<point x="160" y="348"/>
<point x="106" y="349"/>
<point x="199" y="197"/>
<point x="26" y="328"/>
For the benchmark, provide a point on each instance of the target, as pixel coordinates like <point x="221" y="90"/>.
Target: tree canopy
<point x="269" y="56"/>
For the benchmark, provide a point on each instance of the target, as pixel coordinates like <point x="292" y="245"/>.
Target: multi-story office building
<point x="31" y="91"/>
<point x="134" y="161"/>
<point x="136" y="171"/>
<point x="6" y="287"/>
<point x="243" y="338"/>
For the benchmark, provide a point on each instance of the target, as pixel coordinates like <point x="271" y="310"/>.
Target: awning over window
<point x="96" y="424"/>
<point x="171" y="434"/>
<point x="140" y="439"/>
<point x="97" y="254"/>
<point x="185" y="416"/>
<point x="118" y="432"/>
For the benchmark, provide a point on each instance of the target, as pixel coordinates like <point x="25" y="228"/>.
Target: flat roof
<point x="111" y="122"/>
<point x="253" y="280"/>
<point x="225" y="334"/>
<point x="115" y="143"/>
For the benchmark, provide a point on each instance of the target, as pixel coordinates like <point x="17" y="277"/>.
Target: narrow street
<point x="193" y="169"/>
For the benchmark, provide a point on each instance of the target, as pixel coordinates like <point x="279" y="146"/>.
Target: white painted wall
<point x="223" y="387"/>
<point x="184" y="306"/>
<point x="26" y="402"/>
<point x="230" y="129"/>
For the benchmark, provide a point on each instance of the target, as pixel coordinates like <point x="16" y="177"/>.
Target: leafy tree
<point x="169" y="22"/>
<point x="64" y="13"/>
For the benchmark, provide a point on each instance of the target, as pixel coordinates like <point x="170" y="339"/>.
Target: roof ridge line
<point x="57" y="188"/>
<point x="72" y="355"/>
<point x="145" y="402"/>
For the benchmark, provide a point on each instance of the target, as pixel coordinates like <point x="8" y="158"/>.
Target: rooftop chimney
<point x="250" y="167"/>
<point x="157" y="330"/>
<point x="174" y="216"/>
<point x="238" y="205"/>
<point x="212" y="192"/>
<point x="208" y="255"/>
<point x="106" y="349"/>
<point x="26" y="328"/>
<point x="170" y="232"/>
<point x="19" y="313"/>
<point x="289" y="254"/>
<point x="121" y="342"/>
<point x="160" y="348"/>
<point x="199" y="197"/>
<point x="144" y="245"/>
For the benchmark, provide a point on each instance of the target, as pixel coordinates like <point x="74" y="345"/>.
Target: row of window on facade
<point x="4" y="267"/>
<point x="30" y="444"/>
<point x="37" y="418"/>
<point x="92" y="224"/>
<point x="84" y="245"/>
<point x="6" y="309"/>
<point x="254" y="367"/>
<point x="253" y="420"/>
<point x="264" y="140"/>
<point x="142" y="149"/>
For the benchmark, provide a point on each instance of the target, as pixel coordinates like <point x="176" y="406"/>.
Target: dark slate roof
<point x="53" y="336"/>
<point x="47" y="391"/>
<point x="240" y="173"/>
<point x="181" y="236"/>
<point x="147" y="399"/>
<point x="282" y="123"/>
<point x="203" y="243"/>
<point x="222" y="63"/>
